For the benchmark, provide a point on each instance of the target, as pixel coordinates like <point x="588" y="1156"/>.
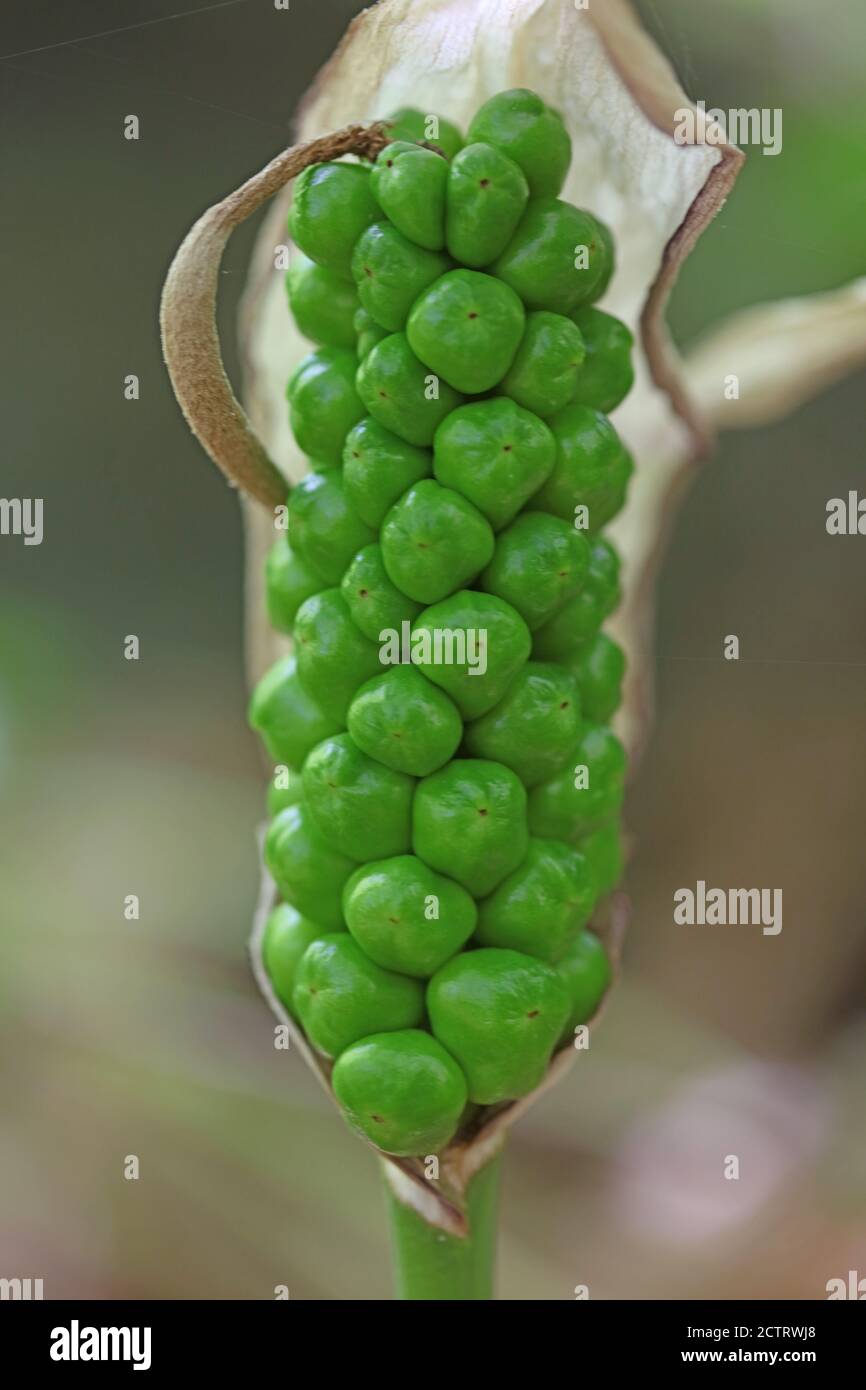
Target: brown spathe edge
<point x="190" y="341"/>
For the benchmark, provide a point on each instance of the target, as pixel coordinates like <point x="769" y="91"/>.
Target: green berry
<point x="331" y="206"/>
<point x="486" y="195"/>
<point x="434" y="541"/>
<point x="288" y="581"/>
<point x="289" y="720"/>
<point x="547" y="368"/>
<point x="469" y="821"/>
<point x="402" y="1091"/>
<point x="286" y="937"/>
<point x="599" y="668"/>
<point x="323" y="402"/>
<point x="592" y="467"/>
<point x="309" y="873"/>
<point x="406" y="916"/>
<point x="534" y="727"/>
<point x="341" y="995"/>
<point x="406" y="722"/>
<point x="368" y="332"/>
<point x="580" y="619"/>
<point x="466" y="328"/>
<point x="604" y="850"/>
<point x="608" y="258"/>
<point x="518" y="123"/>
<point x="361" y="807"/>
<point x="537" y="566"/>
<point x="607" y="374"/>
<point x="378" y="467"/>
<point x="408" y="183"/>
<point x="418" y="126"/>
<point x="555" y="258"/>
<point x="322" y="303"/>
<point x="325" y="529"/>
<point x="401" y="393"/>
<point x="333" y="656"/>
<point x="585" y="972"/>
<point x="284" y="789"/>
<point x="471" y="645"/>
<point x="586" y="793"/>
<point x="500" y="1014"/>
<point x="540" y="907"/>
<point x="376" y="605"/>
<point x="391" y="271"/>
<point x="496" y="454"/>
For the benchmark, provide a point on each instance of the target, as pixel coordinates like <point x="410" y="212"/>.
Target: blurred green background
<point x="118" y="777"/>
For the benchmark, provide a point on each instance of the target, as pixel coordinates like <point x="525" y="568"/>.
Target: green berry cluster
<point x="450" y="816"/>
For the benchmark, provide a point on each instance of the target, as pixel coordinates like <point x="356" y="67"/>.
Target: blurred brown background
<point x="118" y="777"/>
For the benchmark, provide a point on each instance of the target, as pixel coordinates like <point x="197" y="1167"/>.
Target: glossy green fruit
<point x="466" y="328"/>
<point x="555" y="258"/>
<point x="402" y="1091"/>
<point x="592" y="467"/>
<point x="538" y="565"/>
<point x="434" y="541"/>
<point x="406" y="722"/>
<point x="472" y="645"/>
<point x="604" y="850"/>
<point x="378" y="467"/>
<point x="288" y="581"/>
<point x="401" y="393"/>
<point x="579" y="620"/>
<point x="469" y="821"/>
<point x="518" y="123"/>
<point x="585" y="971"/>
<point x="288" y="720"/>
<point x="323" y="402"/>
<point x="407" y="917"/>
<point x="540" y="907"/>
<point x="286" y="937"/>
<point x="309" y="873"/>
<point x="607" y="374"/>
<point x="564" y="808"/>
<point x="361" y="807"/>
<point x="409" y="185"/>
<point x="324" y="527"/>
<point x="341" y="995"/>
<point x="284" y="789"/>
<point x="331" y="206"/>
<point x="390" y="271"/>
<point x="496" y="454"/>
<point x="599" y="668"/>
<point x="368" y="332"/>
<point x="500" y="1014"/>
<point x="376" y="605"/>
<point x="546" y="370"/>
<point x="334" y="658"/>
<point x="608" y="258"/>
<point x="486" y="195"/>
<point x="534" y="727"/>
<point x="323" y="305"/>
<point x="419" y="126"/>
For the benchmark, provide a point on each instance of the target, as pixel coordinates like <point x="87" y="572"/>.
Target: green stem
<point x="428" y="1263"/>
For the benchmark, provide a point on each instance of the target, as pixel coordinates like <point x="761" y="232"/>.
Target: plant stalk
<point x="430" y="1264"/>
